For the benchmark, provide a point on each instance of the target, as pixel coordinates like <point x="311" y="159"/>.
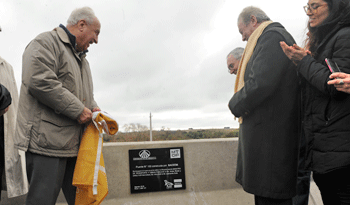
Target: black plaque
<point x="161" y="169"/>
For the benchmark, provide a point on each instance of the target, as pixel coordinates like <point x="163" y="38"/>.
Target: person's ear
<point x="81" y="25"/>
<point x="253" y="20"/>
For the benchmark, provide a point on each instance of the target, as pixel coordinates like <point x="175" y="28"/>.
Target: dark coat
<point x="269" y="104"/>
<point x="5" y="97"/>
<point x="327" y="111"/>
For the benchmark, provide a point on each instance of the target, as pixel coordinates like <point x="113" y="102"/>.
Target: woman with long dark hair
<point x="326" y="110"/>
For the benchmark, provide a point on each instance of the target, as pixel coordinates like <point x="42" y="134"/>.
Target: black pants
<point x="334" y="186"/>
<point x="303" y="182"/>
<point x="269" y="201"/>
<point x="46" y="176"/>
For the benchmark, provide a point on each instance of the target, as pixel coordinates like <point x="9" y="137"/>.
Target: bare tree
<point x="132" y="127"/>
<point x="141" y="128"/>
<point x="126" y="128"/>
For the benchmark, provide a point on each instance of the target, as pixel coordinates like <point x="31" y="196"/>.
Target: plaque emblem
<point x="168" y="184"/>
<point x="144" y="154"/>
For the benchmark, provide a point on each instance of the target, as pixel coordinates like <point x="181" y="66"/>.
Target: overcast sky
<point x="167" y="57"/>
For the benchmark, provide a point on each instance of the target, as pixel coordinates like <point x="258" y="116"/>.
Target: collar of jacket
<point x="68" y="37"/>
<point x="71" y="37"/>
<point x="330" y="35"/>
<point x="274" y="24"/>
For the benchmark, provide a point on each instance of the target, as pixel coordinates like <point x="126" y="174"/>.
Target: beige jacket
<point x="56" y="86"/>
<point x="16" y="182"/>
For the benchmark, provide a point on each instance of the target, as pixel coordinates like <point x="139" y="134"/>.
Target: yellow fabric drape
<point x="90" y="175"/>
<point x="248" y="52"/>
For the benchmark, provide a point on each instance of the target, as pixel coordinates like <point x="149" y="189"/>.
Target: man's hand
<point x="96" y="109"/>
<point x="85" y="116"/>
<point x="4" y="110"/>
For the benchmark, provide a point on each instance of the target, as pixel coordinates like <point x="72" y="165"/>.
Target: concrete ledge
<point x="219" y="197"/>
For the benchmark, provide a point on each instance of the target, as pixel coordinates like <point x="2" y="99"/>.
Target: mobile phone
<point x="332" y="65"/>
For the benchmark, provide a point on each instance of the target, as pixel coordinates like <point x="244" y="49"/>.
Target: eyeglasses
<point x="230" y="69"/>
<point x="312" y="8"/>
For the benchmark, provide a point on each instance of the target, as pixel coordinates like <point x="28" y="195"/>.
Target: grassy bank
<point x="171" y="135"/>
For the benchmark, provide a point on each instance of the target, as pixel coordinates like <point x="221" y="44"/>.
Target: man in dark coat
<point x="267" y="103"/>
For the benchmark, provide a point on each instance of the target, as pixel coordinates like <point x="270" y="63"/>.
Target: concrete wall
<point x="209" y="169"/>
<point x="203" y="158"/>
<point x="210" y="166"/>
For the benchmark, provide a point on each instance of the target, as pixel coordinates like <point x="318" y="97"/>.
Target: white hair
<point x="84" y="13"/>
<point x="248" y="12"/>
<point x="236" y="53"/>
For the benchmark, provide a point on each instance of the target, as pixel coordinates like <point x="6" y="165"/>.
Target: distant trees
<point x="165" y="129"/>
<point x="132" y="127"/>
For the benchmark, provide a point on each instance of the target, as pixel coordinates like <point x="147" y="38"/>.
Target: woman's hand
<point x="341" y="81"/>
<point x="294" y="53"/>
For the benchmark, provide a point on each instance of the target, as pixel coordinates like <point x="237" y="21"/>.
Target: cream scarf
<point x="248" y="51"/>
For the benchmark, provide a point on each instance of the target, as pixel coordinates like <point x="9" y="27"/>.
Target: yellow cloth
<point x="248" y="52"/>
<point x="90" y="175"/>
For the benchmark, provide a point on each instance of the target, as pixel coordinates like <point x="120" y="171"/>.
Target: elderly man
<point x="56" y="100"/>
<point x="233" y="59"/>
<point x="266" y="102"/>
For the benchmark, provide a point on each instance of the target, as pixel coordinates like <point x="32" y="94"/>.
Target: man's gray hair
<point x="85" y="13"/>
<point x="236" y="53"/>
<point x="250" y="11"/>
